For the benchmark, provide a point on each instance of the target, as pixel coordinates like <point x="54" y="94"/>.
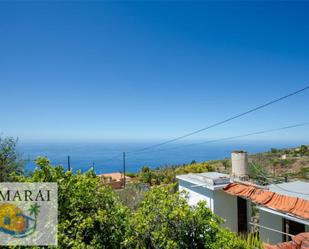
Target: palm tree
<point x="34" y="210"/>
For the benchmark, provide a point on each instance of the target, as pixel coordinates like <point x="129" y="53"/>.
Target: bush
<point x="131" y="174"/>
<point x="165" y="220"/>
<point x="90" y="215"/>
<point x="167" y="175"/>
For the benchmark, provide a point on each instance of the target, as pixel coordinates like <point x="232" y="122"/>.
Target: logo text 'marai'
<point x="25" y="195"/>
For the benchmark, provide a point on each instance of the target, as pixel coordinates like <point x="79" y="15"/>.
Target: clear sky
<point x="151" y="70"/>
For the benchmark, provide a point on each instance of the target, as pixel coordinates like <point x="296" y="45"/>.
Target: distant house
<point x="115" y="180"/>
<point x="278" y="211"/>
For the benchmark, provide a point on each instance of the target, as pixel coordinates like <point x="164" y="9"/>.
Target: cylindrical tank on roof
<point x="240" y="164"/>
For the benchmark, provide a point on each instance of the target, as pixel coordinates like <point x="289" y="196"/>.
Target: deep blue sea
<point x="85" y="154"/>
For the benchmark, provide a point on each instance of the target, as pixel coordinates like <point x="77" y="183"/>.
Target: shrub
<point x="165" y="220"/>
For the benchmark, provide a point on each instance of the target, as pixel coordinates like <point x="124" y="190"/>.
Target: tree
<point x="226" y="163"/>
<point x="146" y="175"/>
<point x="167" y="174"/>
<point x="90" y="215"/>
<point x="303" y="149"/>
<point x="133" y="194"/>
<point x="165" y="220"/>
<point x="10" y="160"/>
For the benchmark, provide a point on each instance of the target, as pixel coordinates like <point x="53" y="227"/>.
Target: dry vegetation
<point x="275" y="164"/>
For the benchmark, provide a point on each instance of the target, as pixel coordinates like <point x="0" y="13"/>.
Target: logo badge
<point x="28" y="213"/>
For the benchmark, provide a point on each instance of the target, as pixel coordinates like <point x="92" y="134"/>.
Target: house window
<point x="291" y="227"/>
<point x="7" y="220"/>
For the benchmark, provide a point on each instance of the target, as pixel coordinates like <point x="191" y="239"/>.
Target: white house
<point x="283" y="209"/>
<point x="209" y="187"/>
<point x="203" y="186"/>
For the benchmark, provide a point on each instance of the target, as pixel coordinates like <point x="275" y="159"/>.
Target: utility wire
<point x="274" y="184"/>
<point x="220" y="139"/>
<point x="223" y="121"/>
<point x="219" y="123"/>
<point x="235" y="137"/>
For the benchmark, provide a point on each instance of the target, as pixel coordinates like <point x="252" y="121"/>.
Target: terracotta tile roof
<point x="261" y="196"/>
<point x="301" y="208"/>
<point x="286" y="204"/>
<point x="116" y="176"/>
<point x="240" y="189"/>
<point x="300" y="241"/>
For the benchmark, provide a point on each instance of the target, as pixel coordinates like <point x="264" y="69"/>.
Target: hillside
<point x="292" y="163"/>
<point x="275" y="165"/>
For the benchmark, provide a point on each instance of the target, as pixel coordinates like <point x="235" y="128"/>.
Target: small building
<point x="277" y="211"/>
<point x="209" y="187"/>
<point x="115" y="180"/>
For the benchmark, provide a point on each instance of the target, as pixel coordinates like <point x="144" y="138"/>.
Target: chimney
<point x="240" y="169"/>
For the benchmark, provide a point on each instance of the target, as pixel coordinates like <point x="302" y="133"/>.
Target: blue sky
<point x="151" y="70"/>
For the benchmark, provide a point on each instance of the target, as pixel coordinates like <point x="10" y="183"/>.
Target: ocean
<point x="107" y="156"/>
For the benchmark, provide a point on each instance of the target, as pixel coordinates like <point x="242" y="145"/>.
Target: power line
<point x="238" y="136"/>
<point x="219" y="123"/>
<point x="220" y="139"/>
<point x="274" y="184"/>
<point x="224" y="121"/>
<point x="235" y="137"/>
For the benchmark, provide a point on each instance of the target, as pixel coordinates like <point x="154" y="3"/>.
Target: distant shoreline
<point x="84" y="155"/>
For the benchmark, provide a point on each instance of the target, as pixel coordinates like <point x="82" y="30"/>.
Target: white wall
<point x="222" y="204"/>
<point x="195" y="197"/>
<point x="272" y="221"/>
<point x="197" y="193"/>
<point x="225" y="206"/>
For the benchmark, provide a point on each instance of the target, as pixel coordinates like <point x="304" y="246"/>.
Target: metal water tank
<point x="240" y="164"/>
